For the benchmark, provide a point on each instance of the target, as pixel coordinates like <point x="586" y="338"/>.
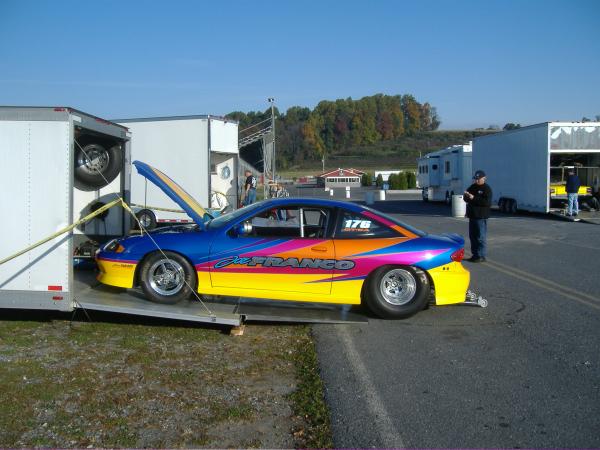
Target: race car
<point x="295" y="249"/>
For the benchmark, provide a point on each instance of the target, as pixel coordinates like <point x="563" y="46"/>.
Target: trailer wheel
<point x="512" y="206"/>
<point x="424" y="195"/>
<point x="448" y="200"/>
<point x="147" y="218"/>
<point x="397" y="292"/>
<point x="167" y="277"/>
<point x="501" y="204"/>
<point x="96" y="166"/>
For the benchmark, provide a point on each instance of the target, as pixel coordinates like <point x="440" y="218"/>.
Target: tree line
<point x="332" y="127"/>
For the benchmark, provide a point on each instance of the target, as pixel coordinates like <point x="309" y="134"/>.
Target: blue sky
<point x="478" y="62"/>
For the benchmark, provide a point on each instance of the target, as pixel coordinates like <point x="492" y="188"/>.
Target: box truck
<point x="527" y="167"/>
<point x="445" y="172"/>
<point x="200" y="152"/>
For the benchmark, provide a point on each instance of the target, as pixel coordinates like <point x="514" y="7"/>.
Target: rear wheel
<point x="396" y="292"/>
<point x="167" y="278"/>
<point x="448" y="199"/>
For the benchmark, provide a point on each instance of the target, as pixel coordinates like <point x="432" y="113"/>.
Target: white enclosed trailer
<point x="525" y="165"/>
<point x="200" y="152"/>
<point x="444" y="173"/>
<point x="47" y="185"/>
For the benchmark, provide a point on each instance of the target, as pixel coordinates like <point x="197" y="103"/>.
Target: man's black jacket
<point x="479" y="206"/>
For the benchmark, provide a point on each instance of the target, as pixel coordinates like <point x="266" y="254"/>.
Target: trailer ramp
<point x="95" y="296"/>
<point x="131" y="301"/>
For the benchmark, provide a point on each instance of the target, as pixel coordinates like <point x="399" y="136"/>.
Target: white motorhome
<point x="526" y="167"/>
<point x="200" y="152"/>
<point x="444" y="173"/>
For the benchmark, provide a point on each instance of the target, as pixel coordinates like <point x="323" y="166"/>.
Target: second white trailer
<point x="444" y="173"/>
<point x="200" y="152"/>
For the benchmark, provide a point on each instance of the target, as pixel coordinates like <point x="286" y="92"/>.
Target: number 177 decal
<point x="357" y="225"/>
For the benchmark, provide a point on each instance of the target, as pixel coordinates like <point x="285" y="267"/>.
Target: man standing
<point x="572" y="188"/>
<point x="479" y="200"/>
<point x="249" y="189"/>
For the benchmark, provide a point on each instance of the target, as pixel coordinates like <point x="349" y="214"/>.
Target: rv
<point x="445" y="173"/>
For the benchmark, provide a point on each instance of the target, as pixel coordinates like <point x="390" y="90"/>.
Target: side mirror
<point x="242" y="229"/>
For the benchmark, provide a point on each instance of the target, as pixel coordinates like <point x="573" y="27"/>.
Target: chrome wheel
<point x="166" y="277"/>
<point x="93" y="159"/>
<point x="145" y="220"/>
<point x="398" y="287"/>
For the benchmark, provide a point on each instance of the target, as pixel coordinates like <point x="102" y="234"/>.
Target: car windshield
<point x="220" y="221"/>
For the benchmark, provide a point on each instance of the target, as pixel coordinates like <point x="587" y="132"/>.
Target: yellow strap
<point x="64" y="230"/>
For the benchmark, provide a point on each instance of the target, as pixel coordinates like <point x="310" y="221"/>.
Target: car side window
<point x="290" y="221"/>
<point x="352" y="225"/>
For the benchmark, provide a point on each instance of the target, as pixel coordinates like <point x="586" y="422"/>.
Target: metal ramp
<point x="93" y="296"/>
<point x="130" y="301"/>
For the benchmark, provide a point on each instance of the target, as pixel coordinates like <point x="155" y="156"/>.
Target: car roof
<point x="313" y="201"/>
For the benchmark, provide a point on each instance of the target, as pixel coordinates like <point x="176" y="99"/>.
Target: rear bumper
<point x="450" y="282"/>
<point x="116" y="273"/>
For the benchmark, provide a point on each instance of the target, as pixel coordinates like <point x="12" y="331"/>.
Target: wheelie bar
<point x="476" y="300"/>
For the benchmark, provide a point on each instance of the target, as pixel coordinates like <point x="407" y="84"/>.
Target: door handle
<point x="319" y="249"/>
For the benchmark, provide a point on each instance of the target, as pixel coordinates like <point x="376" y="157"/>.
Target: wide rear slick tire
<point x="167" y="278"/>
<point x="397" y="292"/>
<point x="96" y="165"/>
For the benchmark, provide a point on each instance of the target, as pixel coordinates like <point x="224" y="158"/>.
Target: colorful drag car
<point x="307" y="250"/>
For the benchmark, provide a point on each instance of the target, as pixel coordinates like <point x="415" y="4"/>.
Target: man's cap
<point x="479" y="174"/>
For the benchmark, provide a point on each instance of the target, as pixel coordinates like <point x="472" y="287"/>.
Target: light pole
<point x="271" y="100"/>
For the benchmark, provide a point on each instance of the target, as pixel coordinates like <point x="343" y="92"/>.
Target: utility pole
<point x="271" y="100"/>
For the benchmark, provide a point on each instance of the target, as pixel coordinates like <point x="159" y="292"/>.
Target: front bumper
<point x="450" y="282"/>
<point x="117" y="273"/>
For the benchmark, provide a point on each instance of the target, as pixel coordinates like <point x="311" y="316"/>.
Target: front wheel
<point x="167" y="278"/>
<point x="397" y="292"/>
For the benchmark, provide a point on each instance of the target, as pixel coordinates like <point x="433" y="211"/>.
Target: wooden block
<point x="237" y="331"/>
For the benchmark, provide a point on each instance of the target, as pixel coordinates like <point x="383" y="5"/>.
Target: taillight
<point x="458" y="255"/>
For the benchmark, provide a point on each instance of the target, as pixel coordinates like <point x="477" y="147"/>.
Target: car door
<point x="284" y="249"/>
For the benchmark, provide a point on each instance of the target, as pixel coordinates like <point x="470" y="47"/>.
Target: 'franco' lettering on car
<point x="274" y="261"/>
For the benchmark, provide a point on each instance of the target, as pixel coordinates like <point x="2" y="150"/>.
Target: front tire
<point x="167" y="278"/>
<point x="397" y="292"/>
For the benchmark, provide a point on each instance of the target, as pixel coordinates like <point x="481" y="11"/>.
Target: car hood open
<point x="175" y="192"/>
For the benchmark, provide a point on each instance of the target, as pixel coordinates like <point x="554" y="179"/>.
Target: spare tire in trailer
<point x="96" y="164"/>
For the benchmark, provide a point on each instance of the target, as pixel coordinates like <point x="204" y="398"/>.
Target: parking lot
<point x="523" y="372"/>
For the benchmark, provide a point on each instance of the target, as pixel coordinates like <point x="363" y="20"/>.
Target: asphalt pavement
<point x="523" y="372"/>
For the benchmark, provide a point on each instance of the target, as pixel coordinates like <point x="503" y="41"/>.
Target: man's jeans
<point x="250" y="197"/>
<point x="573" y="203"/>
<point x="478" y="235"/>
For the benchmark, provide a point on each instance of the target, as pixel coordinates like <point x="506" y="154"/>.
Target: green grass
<point x="135" y="385"/>
<point x="308" y="400"/>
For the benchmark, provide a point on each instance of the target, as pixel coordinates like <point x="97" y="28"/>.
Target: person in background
<point x="249" y="196"/>
<point x="479" y="200"/>
<point x="572" y="188"/>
